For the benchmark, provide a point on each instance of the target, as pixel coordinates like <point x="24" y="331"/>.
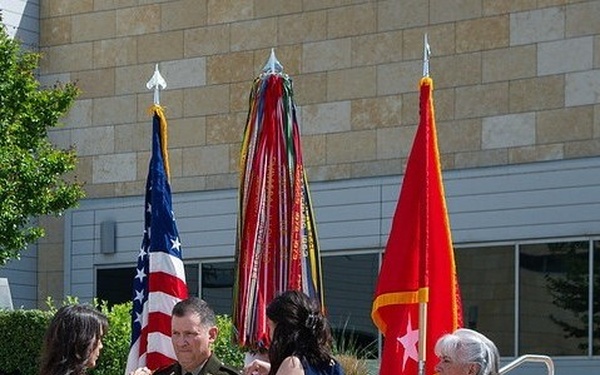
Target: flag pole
<point x="422" y="336"/>
<point x="426" y="53"/>
<point x="160" y="276"/>
<point x="422" y="349"/>
<point x="420" y="239"/>
<point x="156" y="82"/>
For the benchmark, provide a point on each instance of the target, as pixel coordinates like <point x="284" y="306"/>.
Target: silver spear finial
<point x="426" y="53"/>
<point x="157" y="82"/>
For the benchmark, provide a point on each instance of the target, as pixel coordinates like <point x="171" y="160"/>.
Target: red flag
<point x="160" y="276"/>
<point x="418" y="264"/>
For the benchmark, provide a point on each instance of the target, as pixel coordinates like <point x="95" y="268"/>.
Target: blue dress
<point x="333" y="369"/>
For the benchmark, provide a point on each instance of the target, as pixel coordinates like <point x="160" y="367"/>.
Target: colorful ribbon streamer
<point x="277" y="247"/>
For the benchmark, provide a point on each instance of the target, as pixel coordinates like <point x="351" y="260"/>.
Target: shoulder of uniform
<point x="215" y="366"/>
<point x="229" y="370"/>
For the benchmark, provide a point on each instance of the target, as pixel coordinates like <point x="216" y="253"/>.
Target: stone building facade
<point x="517" y="84"/>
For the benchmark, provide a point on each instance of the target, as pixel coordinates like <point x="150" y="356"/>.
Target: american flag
<point x="159" y="282"/>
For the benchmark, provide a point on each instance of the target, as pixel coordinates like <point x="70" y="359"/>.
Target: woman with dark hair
<point x="73" y="340"/>
<point x="300" y="339"/>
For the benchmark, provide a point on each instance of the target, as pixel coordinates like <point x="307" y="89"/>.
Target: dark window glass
<point x="487" y="281"/>
<point x="553" y="298"/>
<point x="349" y="283"/>
<point x="596" y="304"/>
<point x="114" y="285"/>
<point x="217" y="286"/>
<point x="191" y="279"/>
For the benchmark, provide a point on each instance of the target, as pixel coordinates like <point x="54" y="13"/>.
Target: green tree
<point x="32" y="170"/>
<point x="570" y="292"/>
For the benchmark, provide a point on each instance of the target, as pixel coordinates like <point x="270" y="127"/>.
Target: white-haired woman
<point x="466" y="352"/>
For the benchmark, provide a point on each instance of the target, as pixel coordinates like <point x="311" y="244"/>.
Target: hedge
<point x="22" y="332"/>
<point x="21" y="335"/>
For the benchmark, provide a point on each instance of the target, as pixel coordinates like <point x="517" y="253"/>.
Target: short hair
<point x="468" y="346"/>
<point x="71" y="336"/>
<point x="197" y="306"/>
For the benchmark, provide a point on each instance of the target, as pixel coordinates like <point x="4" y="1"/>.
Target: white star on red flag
<point x="409" y="342"/>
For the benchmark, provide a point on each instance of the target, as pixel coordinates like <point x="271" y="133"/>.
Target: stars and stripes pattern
<point x="159" y="282"/>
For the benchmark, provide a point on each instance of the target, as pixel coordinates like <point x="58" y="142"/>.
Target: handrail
<point x="529" y="358"/>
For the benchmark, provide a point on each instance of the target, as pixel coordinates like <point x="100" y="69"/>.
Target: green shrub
<point x="224" y="347"/>
<point x="113" y="358"/>
<point x="22" y="333"/>
<point x="21" y="336"/>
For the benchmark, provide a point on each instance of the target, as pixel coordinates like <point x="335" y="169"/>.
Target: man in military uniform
<point x="193" y="330"/>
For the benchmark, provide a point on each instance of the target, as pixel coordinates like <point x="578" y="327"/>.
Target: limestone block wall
<point x="515" y="81"/>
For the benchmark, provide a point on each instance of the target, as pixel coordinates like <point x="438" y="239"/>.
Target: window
<point x="217" y="286"/>
<point x="348" y="299"/>
<point x="487" y="283"/>
<point x="554" y="298"/>
<point x="349" y="283"/>
<point x="542" y="301"/>
<point x="595" y="339"/>
<point x="115" y="285"/>
<point x="191" y="279"/>
<point x="551" y="306"/>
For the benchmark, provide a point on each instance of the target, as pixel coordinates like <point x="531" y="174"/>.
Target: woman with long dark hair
<point x="73" y="340"/>
<point x="301" y="339"/>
